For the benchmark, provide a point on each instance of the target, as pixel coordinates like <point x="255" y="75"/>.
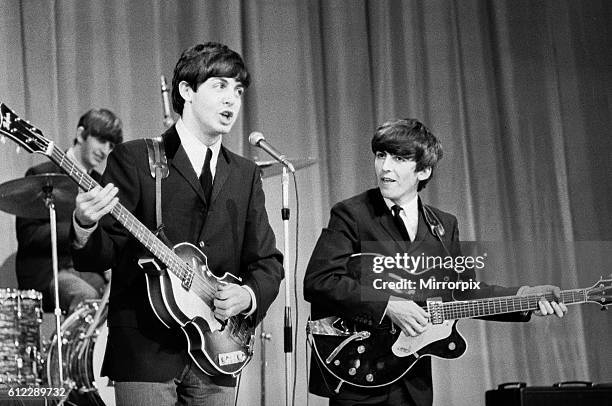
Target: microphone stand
<point x="288" y="327"/>
<point x="50" y="204"/>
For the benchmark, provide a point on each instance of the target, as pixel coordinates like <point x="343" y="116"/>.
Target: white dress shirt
<point x="196" y="150"/>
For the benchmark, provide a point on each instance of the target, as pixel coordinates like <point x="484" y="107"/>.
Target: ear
<point x="424" y="174"/>
<point x="79" y="135"/>
<point x="185" y="91"/>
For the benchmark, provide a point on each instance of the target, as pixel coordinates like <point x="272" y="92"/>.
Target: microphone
<point x="168" y="121"/>
<point x="257" y="140"/>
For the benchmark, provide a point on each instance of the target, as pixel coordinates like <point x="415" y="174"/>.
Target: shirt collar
<point x="411" y="209"/>
<point x="196" y="150"/>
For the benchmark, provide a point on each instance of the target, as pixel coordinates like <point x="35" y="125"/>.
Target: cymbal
<point x="273" y="167"/>
<point x="24" y="197"/>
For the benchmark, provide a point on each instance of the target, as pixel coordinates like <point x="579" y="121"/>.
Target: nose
<point x="229" y="98"/>
<point x="387" y="163"/>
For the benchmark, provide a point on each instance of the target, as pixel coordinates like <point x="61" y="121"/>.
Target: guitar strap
<point x="158" y="165"/>
<point x="435" y="225"/>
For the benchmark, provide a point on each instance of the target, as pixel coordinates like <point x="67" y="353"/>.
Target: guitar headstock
<point x="601" y="292"/>
<point x="21" y="131"/>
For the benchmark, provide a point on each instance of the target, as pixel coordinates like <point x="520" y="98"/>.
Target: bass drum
<point x="83" y="345"/>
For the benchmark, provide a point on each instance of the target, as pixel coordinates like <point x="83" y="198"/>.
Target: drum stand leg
<point x="50" y="203"/>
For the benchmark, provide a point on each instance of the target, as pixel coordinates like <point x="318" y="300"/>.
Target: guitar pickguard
<point x="406" y="345"/>
<point x="189" y="301"/>
<point x="374" y="357"/>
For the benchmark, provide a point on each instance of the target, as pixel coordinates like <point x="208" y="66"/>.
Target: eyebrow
<point x="224" y="79"/>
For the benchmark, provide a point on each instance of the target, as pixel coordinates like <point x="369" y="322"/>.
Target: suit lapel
<point x="422" y="231"/>
<point x="221" y="174"/>
<point x="387" y="223"/>
<point x="182" y="164"/>
<point x="178" y="159"/>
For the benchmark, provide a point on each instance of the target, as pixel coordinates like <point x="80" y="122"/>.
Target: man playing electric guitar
<point x="382" y="223"/>
<point x="213" y="199"/>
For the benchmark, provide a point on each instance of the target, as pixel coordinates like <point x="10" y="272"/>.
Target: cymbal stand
<point x="50" y="204"/>
<point x="99" y="312"/>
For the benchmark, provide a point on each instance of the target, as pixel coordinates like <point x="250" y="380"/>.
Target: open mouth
<point x="227" y="114"/>
<point x="386" y="180"/>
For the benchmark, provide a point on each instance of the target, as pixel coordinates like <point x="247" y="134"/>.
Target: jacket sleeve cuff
<point x="81" y="234"/>
<point x="253" y="301"/>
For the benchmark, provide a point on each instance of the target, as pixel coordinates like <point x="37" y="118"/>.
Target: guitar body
<point x="382" y="355"/>
<point x="215" y="347"/>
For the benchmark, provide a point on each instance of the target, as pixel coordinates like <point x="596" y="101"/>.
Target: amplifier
<point x="575" y="393"/>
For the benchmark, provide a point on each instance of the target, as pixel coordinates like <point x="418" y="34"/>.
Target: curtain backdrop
<point x="518" y="91"/>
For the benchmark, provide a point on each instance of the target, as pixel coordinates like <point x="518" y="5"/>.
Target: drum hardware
<point x="20" y="318"/>
<point x="23" y="197"/>
<point x="84" y="335"/>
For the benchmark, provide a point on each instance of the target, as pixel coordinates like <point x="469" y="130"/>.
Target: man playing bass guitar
<point x="344" y="278"/>
<point x="212" y="199"/>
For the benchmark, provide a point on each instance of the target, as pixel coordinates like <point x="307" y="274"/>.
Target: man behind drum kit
<point x="98" y="131"/>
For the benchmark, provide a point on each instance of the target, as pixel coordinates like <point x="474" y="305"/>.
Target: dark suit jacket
<point x="33" y="263"/>
<point x="235" y="235"/>
<point x="335" y="285"/>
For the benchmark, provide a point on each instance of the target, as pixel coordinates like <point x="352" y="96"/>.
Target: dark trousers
<point x="394" y="395"/>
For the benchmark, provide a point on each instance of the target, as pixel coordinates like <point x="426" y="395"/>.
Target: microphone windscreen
<point x="255" y="137"/>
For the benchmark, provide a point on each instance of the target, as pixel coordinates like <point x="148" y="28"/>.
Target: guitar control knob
<point x="452" y="346"/>
<point x="337" y="362"/>
<point x="370" y="378"/>
<point x="361" y="349"/>
<point x="352" y="372"/>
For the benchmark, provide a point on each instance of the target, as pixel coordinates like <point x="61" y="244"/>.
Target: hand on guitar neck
<point x="413" y="320"/>
<point x="93" y="205"/>
<point x="547" y="306"/>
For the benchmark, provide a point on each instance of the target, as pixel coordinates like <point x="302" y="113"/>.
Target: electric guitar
<point x="181" y="292"/>
<point x="365" y="356"/>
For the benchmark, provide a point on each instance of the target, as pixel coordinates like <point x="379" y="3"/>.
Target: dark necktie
<point x="399" y="222"/>
<point x="206" y="176"/>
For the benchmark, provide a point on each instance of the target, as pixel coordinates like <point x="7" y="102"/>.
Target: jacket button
<point x="202" y="244"/>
